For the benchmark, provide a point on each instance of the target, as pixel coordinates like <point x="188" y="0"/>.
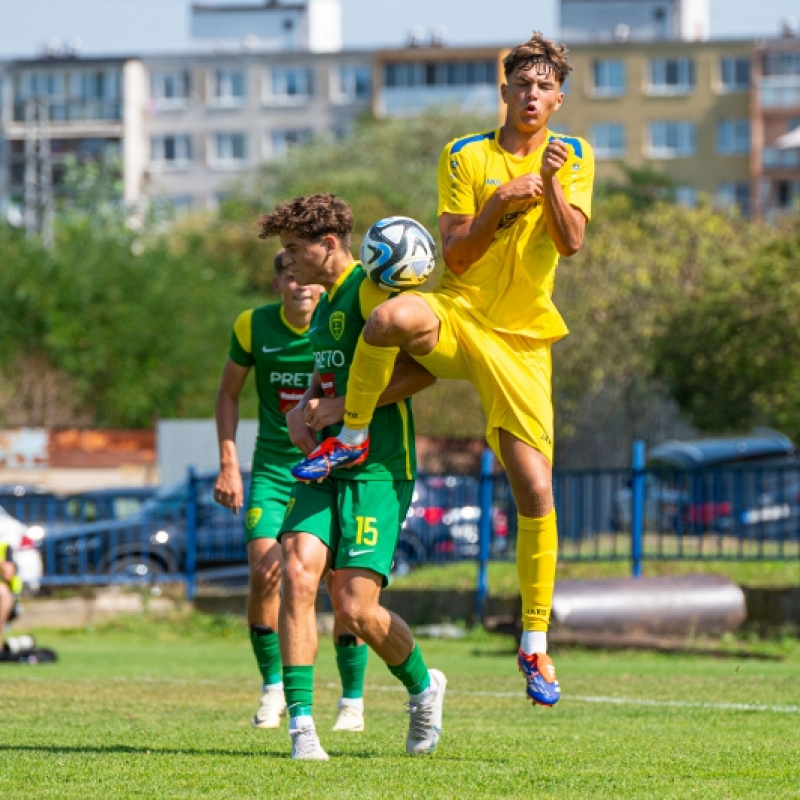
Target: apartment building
<point x="678" y="108"/>
<point x="775" y="104"/>
<point x="655" y="93"/>
<point x="707" y="114"/>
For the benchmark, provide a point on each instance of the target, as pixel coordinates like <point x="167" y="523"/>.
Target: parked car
<point x="443" y="522"/>
<point x="151" y="542"/>
<point x="25" y="550"/>
<point x="664" y="506"/>
<point x="45" y="512"/>
<point x="748" y="485"/>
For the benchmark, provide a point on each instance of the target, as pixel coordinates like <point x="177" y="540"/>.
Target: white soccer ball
<point x="398" y="254"/>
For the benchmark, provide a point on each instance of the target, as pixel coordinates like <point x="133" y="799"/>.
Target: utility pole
<point x="39" y="204"/>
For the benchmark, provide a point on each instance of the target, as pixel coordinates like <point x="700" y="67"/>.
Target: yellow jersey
<point x="510" y="287"/>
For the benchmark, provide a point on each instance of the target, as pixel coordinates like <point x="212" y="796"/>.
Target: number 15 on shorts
<point x="367" y="533"/>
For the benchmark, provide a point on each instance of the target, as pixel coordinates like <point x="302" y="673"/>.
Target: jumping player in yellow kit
<point x="511" y="201"/>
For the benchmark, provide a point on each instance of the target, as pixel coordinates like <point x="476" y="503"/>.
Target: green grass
<point x="160" y="709"/>
<point x="503" y="574"/>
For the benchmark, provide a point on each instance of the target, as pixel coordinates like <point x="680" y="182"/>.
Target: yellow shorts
<point x="511" y="373"/>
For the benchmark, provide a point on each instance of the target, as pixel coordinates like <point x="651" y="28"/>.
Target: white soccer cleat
<point x="270" y="710"/>
<point x="305" y="744"/>
<point x="425" y="717"/>
<point x="350" y="718"/>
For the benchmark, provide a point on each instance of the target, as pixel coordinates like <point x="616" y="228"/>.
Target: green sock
<point x="412" y="673"/>
<point x="352" y="662"/>
<point x="298" y="688"/>
<point x="267" y="650"/>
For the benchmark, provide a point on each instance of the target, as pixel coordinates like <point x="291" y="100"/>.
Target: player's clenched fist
<point x="555" y="156"/>
<point x="523" y="187"/>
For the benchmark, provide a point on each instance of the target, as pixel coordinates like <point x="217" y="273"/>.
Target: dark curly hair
<point x="538" y="50"/>
<point x="310" y="217"/>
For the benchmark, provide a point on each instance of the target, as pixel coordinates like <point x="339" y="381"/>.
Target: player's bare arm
<point x="408" y="378"/>
<point x="465" y="238"/>
<point x="228" y="489"/>
<point x="565" y="223"/>
<point x="301" y="434"/>
<point x="8" y="569"/>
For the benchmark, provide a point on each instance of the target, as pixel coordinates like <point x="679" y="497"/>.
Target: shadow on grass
<point x="111" y="750"/>
<point x="145" y="751"/>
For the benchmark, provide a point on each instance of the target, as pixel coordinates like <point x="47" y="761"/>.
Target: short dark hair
<point x="278" y="262"/>
<point x="310" y="217"/>
<point x="538" y="50"/>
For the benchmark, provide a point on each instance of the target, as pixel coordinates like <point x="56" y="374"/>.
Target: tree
<point x="617" y="295"/>
<point x="731" y="352"/>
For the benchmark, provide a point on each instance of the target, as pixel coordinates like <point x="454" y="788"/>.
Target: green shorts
<point x="270" y="487"/>
<point x="358" y="520"/>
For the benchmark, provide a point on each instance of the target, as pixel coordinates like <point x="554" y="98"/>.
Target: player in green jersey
<point x="273" y="341"/>
<point x="348" y="522"/>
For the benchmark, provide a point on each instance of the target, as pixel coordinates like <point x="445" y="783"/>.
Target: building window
<point x="608" y="139"/>
<point x="734" y="74"/>
<point x="787" y="194"/>
<point x="440" y="73"/>
<point x="289" y="85"/>
<point x="171" y="152"/>
<point x="672" y="139"/>
<point x="733" y="194"/>
<point x="34" y="83"/>
<point x="228" y="87"/>
<point x="228" y="150"/>
<point x="733" y="137"/>
<point x="281" y="141"/>
<point x="775" y="158"/>
<point x="670" y="76"/>
<point x="172" y="88"/>
<point x="608" y="78"/>
<point x="350" y="84"/>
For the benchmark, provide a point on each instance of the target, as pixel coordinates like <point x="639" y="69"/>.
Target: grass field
<point x="160" y="709"/>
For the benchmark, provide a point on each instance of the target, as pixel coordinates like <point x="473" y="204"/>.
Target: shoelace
<point x="305" y="741"/>
<point x="420" y="723"/>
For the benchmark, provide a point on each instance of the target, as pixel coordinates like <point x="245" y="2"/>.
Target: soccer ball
<point x="398" y="254"/>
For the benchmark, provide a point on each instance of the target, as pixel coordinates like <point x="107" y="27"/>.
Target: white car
<point x="25" y="549"/>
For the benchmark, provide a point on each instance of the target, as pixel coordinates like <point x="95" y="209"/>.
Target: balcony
<point x="75" y="110"/>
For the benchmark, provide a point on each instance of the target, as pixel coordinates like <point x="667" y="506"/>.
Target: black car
<point x="152" y="542"/>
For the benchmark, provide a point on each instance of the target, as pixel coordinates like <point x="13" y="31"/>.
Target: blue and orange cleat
<point x="540" y="674"/>
<point x="331" y="454"/>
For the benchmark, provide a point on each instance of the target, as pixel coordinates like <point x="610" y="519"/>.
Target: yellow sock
<point x="537" y="550"/>
<point x="370" y="374"/>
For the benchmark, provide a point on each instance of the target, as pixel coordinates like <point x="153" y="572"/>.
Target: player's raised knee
<point x="392" y="323"/>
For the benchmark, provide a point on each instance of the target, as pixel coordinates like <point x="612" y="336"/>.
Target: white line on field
<point x="619" y="701"/>
<point x="629" y="701"/>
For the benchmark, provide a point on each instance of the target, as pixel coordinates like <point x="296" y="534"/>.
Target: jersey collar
<point x="341" y="279"/>
<point x="292" y="328"/>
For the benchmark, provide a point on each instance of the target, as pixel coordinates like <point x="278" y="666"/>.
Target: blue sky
<point x="131" y="26"/>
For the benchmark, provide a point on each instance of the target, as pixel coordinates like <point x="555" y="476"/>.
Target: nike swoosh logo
<point x="270" y="349"/>
<point x="353" y="553"/>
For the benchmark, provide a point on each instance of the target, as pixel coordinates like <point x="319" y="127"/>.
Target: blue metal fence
<point x="633" y="515"/>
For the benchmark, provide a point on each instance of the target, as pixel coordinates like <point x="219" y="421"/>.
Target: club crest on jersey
<point x="252" y="518"/>
<point x="336" y="324"/>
